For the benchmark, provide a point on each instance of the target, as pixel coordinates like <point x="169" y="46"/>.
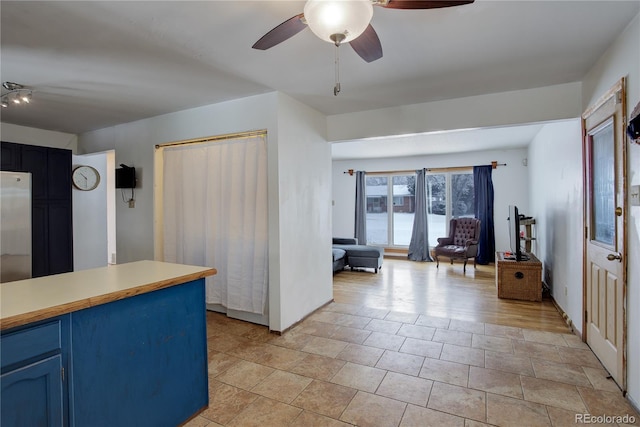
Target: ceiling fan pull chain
<point x="336" y="88"/>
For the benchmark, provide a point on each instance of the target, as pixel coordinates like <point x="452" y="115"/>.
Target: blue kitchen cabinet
<point x="141" y="361"/>
<point x="33" y="388"/>
<point x="136" y="361"/>
<point x="32" y="395"/>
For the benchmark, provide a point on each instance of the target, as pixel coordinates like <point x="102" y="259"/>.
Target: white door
<point x="605" y="260"/>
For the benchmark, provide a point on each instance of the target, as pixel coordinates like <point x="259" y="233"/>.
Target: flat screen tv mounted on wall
<point x="514" y="235"/>
<point x="126" y="177"/>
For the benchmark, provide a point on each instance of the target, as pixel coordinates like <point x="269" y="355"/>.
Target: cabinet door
<point x="10" y="157"/>
<point x="34" y="160"/>
<point x="51" y="216"/>
<point x="59" y="239"/>
<point x="32" y="395"/>
<point x="39" y="239"/>
<point x="59" y="174"/>
<point x="52" y="238"/>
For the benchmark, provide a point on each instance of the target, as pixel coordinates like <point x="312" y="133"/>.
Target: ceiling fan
<point x="345" y="21"/>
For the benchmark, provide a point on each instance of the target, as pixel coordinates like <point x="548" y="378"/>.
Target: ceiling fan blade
<point x="282" y="32"/>
<point x="419" y="4"/>
<point x="367" y="45"/>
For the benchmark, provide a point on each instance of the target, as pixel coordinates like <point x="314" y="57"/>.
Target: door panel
<point x="39" y="239"/>
<point x="10" y="156"/>
<point x="59" y="166"/>
<point x="610" y="297"/>
<point x="34" y="160"/>
<point x="32" y="395"/>
<point x="605" y="232"/>
<point x="603" y="176"/>
<point x="60" y="235"/>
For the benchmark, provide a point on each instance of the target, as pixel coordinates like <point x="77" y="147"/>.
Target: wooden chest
<point x="521" y="280"/>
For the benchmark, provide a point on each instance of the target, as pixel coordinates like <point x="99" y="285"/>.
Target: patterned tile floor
<point x="350" y="365"/>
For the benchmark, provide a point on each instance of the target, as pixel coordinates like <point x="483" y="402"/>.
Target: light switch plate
<point x="635" y="195"/>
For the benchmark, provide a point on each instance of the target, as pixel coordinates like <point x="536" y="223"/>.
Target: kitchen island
<point x="118" y="345"/>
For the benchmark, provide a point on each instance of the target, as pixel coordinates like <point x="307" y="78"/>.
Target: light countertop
<point x="26" y="301"/>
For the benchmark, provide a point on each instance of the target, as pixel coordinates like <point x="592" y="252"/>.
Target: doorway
<point x="604" y="289"/>
<point x="212" y="210"/>
<point x="94" y="214"/>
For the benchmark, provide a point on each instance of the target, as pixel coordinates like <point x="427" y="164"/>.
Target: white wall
<point x="304" y="167"/>
<point x="297" y="283"/>
<point x="496" y="109"/>
<point x="134" y="145"/>
<point x="510" y="183"/>
<point x="33" y="136"/>
<point x="94" y="214"/>
<point x="556" y="201"/>
<point x="623" y="59"/>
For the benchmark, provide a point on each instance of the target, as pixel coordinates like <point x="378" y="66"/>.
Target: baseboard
<point x="566" y="318"/>
<point x="303" y="319"/>
<point x="259" y="319"/>
<point x="633" y="403"/>
<point x="395" y="253"/>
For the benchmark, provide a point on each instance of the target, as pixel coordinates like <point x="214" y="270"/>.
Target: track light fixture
<point x="17" y="94"/>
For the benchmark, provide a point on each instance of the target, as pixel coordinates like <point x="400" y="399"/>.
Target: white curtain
<point x="215" y="214"/>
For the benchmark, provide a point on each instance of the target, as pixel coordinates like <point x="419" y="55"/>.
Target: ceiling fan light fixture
<point x="326" y="18"/>
<point x="17" y="94"/>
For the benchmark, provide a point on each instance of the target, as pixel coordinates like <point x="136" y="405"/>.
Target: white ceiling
<point x="459" y="141"/>
<point x="94" y="64"/>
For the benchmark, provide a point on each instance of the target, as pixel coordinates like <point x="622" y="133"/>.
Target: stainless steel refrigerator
<point x="15" y="226"/>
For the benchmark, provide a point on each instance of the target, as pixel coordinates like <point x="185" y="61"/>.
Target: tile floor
<point x="350" y="365"/>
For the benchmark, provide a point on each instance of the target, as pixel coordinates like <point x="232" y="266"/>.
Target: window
<point x="395" y="229"/>
<point x="449" y="195"/>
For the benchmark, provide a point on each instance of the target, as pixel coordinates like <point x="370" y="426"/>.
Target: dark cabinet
<point x="59" y="235"/>
<point x="39" y="238"/>
<point x="10" y="156"/>
<point x="59" y="167"/>
<point x="34" y="160"/>
<point x="51" y="216"/>
<point x="51" y="222"/>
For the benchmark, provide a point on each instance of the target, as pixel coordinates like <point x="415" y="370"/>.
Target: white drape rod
<point x="225" y="137"/>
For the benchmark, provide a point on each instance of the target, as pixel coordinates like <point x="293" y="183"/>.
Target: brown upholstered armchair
<point x="462" y="242"/>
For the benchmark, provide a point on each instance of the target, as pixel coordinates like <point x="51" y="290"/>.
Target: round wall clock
<point x="85" y="178"/>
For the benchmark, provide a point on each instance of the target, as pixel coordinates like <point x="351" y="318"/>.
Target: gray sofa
<point x="347" y="252"/>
